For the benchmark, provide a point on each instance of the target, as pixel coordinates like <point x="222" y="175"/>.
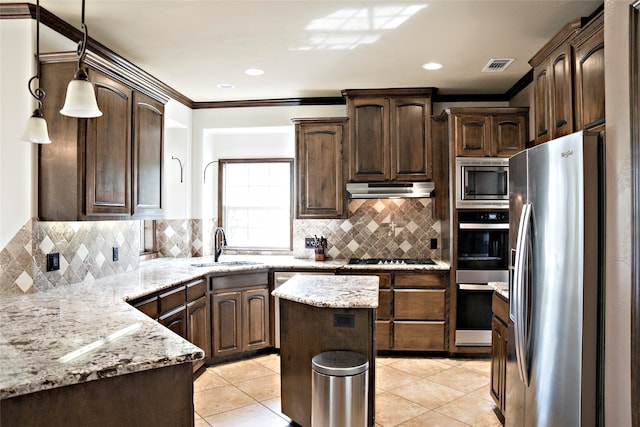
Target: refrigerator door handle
<point x="521" y="293"/>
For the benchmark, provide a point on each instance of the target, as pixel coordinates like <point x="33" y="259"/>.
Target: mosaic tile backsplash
<point x="85" y="248"/>
<point x="376" y="228"/>
<point x="393" y="228"/>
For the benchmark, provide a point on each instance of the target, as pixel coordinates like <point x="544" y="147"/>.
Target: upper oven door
<point x="482" y="182"/>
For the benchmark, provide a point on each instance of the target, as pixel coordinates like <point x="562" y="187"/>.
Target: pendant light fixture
<point x="80" y="100"/>
<point x="36" y="128"/>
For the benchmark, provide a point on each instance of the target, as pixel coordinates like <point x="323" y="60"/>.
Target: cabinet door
<point x="472" y="135"/>
<point x="561" y="96"/>
<point x="108" y="151"/>
<point x="227" y="321"/>
<point x="176" y="321"/>
<point x="410" y="122"/>
<point x="147" y="156"/>
<point x="320" y="191"/>
<point x="589" y="82"/>
<point x="542" y="105"/>
<point x="383" y="312"/>
<point x="383" y="335"/>
<point x="369" y="139"/>
<point x="509" y="134"/>
<point x="256" y="319"/>
<point x="198" y="327"/>
<point x="498" y="362"/>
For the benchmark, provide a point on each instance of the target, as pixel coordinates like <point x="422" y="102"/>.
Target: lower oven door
<point x="473" y="314"/>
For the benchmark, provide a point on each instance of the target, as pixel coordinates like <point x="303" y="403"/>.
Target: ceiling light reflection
<point x="99" y="343"/>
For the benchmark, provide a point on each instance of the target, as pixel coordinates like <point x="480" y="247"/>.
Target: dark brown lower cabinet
<point x="176" y="321"/>
<point x="499" y="334"/>
<point x="227" y="319"/>
<point x="161" y="397"/>
<point x="412" y="311"/>
<point x="240" y="313"/>
<point x="198" y="329"/>
<point x="184" y="309"/>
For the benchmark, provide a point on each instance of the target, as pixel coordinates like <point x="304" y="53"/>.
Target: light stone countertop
<point x="501" y="287"/>
<point x="350" y="291"/>
<point x="87" y="331"/>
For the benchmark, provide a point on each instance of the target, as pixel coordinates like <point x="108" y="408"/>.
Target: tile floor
<point x="410" y="392"/>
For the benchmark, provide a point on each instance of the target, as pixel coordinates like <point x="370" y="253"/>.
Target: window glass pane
<point x="257" y="203"/>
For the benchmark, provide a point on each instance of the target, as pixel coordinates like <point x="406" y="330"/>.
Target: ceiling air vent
<point x="497" y="65"/>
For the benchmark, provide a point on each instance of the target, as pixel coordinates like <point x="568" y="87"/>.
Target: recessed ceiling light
<point x="225" y="86"/>
<point x="432" y="66"/>
<point x="254" y="71"/>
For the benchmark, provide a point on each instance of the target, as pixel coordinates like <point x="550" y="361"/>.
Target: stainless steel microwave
<point x="482" y="182"/>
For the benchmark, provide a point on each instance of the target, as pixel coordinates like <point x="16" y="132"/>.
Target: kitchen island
<point x="318" y="314"/>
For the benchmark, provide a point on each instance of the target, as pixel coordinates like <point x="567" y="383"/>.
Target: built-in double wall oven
<point x="482" y="257"/>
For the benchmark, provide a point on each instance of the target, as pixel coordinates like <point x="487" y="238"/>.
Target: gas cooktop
<point x="391" y="261"/>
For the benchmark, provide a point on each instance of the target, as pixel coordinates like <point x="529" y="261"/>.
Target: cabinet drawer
<point x="148" y="306"/>
<point x="383" y="335"/>
<point x="500" y="308"/>
<point x="172" y="299"/>
<point x="403" y="280"/>
<point x="419" y="304"/>
<point x="240" y="280"/>
<point x="418" y="336"/>
<point x="196" y="289"/>
<point x="383" y="312"/>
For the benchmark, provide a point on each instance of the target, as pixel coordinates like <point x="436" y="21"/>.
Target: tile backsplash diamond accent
<point x="179" y="238"/>
<point x="376" y="228"/>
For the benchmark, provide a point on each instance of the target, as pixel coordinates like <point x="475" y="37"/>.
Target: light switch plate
<point x="53" y="261"/>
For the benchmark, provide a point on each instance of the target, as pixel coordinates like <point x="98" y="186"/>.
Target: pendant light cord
<point x="39" y="94"/>
<point x="82" y="45"/>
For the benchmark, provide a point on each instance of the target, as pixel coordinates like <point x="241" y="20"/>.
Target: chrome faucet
<point x="218" y="243"/>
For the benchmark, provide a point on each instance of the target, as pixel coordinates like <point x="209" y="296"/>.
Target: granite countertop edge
<point x="47" y="326"/>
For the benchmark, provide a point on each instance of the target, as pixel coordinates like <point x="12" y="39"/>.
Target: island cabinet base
<point x="157" y="397"/>
<point x="307" y="330"/>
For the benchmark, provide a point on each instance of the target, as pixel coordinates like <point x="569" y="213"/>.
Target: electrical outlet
<point x="116" y="253"/>
<point x="433" y="244"/>
<point x="53" y="261"/>
<point x="308" y="242"/>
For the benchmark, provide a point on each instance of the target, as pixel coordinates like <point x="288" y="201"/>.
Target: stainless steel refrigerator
<point x="556" y="236"/>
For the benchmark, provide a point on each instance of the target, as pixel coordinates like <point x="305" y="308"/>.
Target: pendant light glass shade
<point x="36" y="129"/>
<point x="80" y="100"/>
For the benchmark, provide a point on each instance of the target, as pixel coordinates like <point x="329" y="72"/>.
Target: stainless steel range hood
<point x="383" y="190"/>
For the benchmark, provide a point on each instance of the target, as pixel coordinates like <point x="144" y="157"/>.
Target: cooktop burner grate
<point x="391" y="261"/>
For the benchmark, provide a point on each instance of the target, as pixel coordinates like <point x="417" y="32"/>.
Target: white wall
<point x="259" y="132"/>
<point x="618" y="227"/>
<point x="177" y="143"/>
<point x="18" y="179"/>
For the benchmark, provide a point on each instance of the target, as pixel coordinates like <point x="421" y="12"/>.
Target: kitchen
<point x="18" y="181"/>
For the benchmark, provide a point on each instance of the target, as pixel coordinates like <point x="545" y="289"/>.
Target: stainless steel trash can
<point x="340" y="384"/>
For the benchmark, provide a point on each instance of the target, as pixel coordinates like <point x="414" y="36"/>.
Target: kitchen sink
<point x="226" y="264"/>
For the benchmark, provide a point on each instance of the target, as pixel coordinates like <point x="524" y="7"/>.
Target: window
<point x="255" y="207"/>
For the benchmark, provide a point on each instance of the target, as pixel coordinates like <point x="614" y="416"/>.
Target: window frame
<point x="220" y="221"/>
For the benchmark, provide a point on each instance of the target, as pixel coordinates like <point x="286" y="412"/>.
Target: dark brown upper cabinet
<point x="589" y="75"/>
<point x="148" y="116"/>
<point x="488" y="131"/>
<point x="389" y="136"/>
<point x="109" y="167"/>
<point x="319" y="176"/>
<point x="569" y="80"/>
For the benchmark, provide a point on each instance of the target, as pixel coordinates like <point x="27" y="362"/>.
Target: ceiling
<point x="314" y="48"/>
